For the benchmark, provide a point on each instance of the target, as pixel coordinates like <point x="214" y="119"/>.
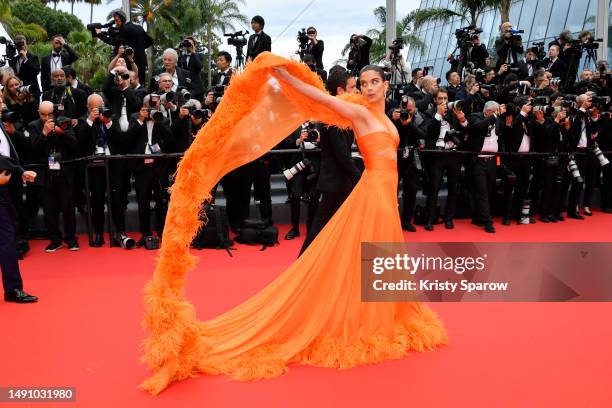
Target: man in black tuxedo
<point x="61" y="56"/>
<point x="149" y="136"/>
<point x="359" y="55"/>
<point x="180" y="77"/>
<point x="11" y="277"/>
<point x="122" y="98"/>
<point x="485" y="136"/>
<point x="258" y="42"/>
<point x="138" y="88"/>
<point x="26" y="65"/>
<point x="73" y="81"/>
<point x="338" y="173"/>
<point x="52" y="143"/>
<point x="129" y="34"/>
<point x="413" y="89"/>
<point x="192" y="62"/>
<point x="224" y="72"/>
<point x="554" y="64"/>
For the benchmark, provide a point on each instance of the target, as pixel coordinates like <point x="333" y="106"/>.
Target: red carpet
<point x="85" y="332"/>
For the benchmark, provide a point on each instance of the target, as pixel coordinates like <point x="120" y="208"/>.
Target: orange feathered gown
<point x="312" y="313"/>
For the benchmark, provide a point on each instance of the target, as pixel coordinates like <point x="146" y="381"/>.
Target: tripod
<point x="398" y="76"/>
<point x="239" y="64"/>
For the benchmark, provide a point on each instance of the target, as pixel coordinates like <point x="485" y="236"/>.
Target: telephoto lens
<point x="126" y="242"/>
<point x="525" y="212"/>
<point x="572" y="167"/>
<point x="603" y="161"/>
<point x="300" y="166"/>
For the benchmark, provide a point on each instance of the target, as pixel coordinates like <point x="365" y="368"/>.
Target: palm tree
<point x="93" y="54"/>
<point x="92" y="3"/>
<point x="72" y="4"/>
<point x="219" y="15"/>
<point x="33" y="32"/>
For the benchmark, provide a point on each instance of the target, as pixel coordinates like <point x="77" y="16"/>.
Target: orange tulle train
<point x="312" y="313"/>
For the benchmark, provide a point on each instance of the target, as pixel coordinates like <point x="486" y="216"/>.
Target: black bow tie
<point x="56" y="55"/>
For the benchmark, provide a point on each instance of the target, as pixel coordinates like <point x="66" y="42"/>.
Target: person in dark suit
<point x="122" y="98"/>
<point x="484" y="136"/>
<point x="509" y="47"/>
<point x="338" y="173"/>
<point x="180" y="77"/>
<point x="72" y="101"/>
<point x="138" y="88"/>
<point x="359" y="55"/>
<point x="26" y="65"/>
<point x="132" y="35"/>
<point x="12" y="282"/>
<point x="413" y="89"/>
<point x="53" y="143"/>
<point x="554" y="64"/>
<point x="223" y="75"/>
<point x="258" y="42"/>
<point x="147" y="136"/>
<point x="72" y="80"/>
<point x="315" y="47"/>
<point x="61" y="56"/>
<point x="192" y="62"/>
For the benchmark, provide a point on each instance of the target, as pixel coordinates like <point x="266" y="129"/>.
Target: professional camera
<point x="603" y="161"/>
<point x="456" y="105"/>
<point x="572" y="167"/>
<point x="24" y="89"/>
<point x="125" y="242"/>
<point x="465" y="35"/>
<point x="297" y="168"/>
<point x="155" y="115"/>
<point x="129" y="51"/>
<point x="237" y="39"/>
<point x="10" y="117"/>
<point x="303" y="38"/>
<point x="168" y="97"/>
<point x="313" y="133"/>
<point x="121" y="75"/>
<point x="555" y="81"/>
<point x="546" y="109"/>
<point x="198" y="113"/>
<point x="600" y="100"/>
<point x="184" y="93"/>
<point x="106" y="112"/>
<point x="404" y="112"/>
<point x="397" y="45"/>
<point x="219" y="91"/>
<point x="110" y="28"/>
<point x="538" y="50"/>
<point x="10" y="50"/>
<point x="540" y="100"/>
<point x="61" y="121"/>
<point x="454" y="136"/>
<point x="185" y="44"/>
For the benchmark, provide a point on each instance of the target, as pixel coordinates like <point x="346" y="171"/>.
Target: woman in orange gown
<point x="312" y="313"/>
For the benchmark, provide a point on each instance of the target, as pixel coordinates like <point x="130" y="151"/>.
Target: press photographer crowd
<point x="517" y="133"/>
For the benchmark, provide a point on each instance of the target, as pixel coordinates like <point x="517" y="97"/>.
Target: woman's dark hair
<point x="374" y="68"/>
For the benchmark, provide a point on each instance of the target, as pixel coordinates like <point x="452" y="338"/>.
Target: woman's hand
<point x="282" y="74"/>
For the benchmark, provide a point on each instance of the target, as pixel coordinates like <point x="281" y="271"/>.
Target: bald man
<point x="53" y="143"/>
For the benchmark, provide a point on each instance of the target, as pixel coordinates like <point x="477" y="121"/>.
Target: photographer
<point x="139" y="90"/>
<point x="180" y="78"/>
<point x="224" y="72"/>
<point x="409" y="166"/>
<point x="121" y="97"/>
<point x="555" y="65"/>
<point x="61" y="56"/>
<point x="149" y="134"/>
<point x="24" y="64"/>
<point x="509" y="47"/>
<point x="517" y="135"/>
<point x="338" y="173"/>
<point x="425" y="97"/>
<point x="446" y="132"/>
<point x="605" y="143"/>
<point x="477" y="53"/>
<point x="191" y="119"/>
<point x="258" y="42"/>
<point x="359" y="55"/>
<point x="583" y="133"/>
<point x="128" y="34"/>
<point x="20" y="101"/>
<point x="413" y="89"/>
<point x="303" y="184"/>
<point x="547" y="130"/>
<point x="53" y="142"/>
<point x="71" y="102"/>
<point x="484" y="136"/>
<point x="470" y="95"/>
<point x="100" y="135"/>
<point x="124" y="58"/>
<point x="192" y="62"/>
<point x="315" y="47"/>
<point x="454" y="85"/>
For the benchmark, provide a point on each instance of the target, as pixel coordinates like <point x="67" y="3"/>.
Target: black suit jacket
<point x="264" y="43"/>
<point x="132" y="35"/>
<point x="194" y="68"/>
<point x="226" y="80"/>
<point x="28" y="72"/>
<point x="513" y="135"/>
<point x="434" y="125"/>
<point x="137" y="139"/>
<point x="114" y="98"/>
<point x="338" y="172"/>
<point x="558" y="69"/>
<point x="67" y="55"/>
<point x="478" y="130"/>
<point x="575" y="131"/>
<point x="65" y="144"/>
<point x="88" y="134"/>
<point x="75" y="102"/>
<point x="85" y="88"/>
<point x="317" y="52"/>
